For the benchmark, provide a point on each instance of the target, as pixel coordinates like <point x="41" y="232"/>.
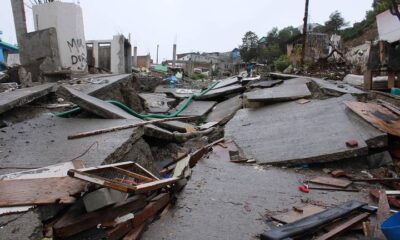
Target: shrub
<point x="282" y="63"/>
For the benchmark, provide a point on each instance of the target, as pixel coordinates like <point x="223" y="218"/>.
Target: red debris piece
<point x="352" y="143"/>
<point x="338" y="173"/>
<point x="304" y="188"/>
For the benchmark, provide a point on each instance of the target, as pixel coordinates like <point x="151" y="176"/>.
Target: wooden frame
<point x="127" y="177"/>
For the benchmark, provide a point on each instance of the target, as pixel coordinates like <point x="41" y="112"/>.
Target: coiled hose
<point x="67" y="113"/>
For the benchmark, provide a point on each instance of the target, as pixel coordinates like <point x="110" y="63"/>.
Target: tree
<point x="335" y="23"/>
<point x="249" y="48"/>
<point x="271" y="52"/>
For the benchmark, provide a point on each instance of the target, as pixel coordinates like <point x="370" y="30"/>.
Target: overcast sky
<point x="202" y="25"/>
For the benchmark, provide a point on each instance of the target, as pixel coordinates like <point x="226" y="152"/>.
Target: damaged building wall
<point x="67" y="19"/>
<point x="114" y="55"/>
<point x="43" y="53"/>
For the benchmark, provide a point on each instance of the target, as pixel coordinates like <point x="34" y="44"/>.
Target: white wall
<point x="388" y="27"/>
<point x="68" y="20"/>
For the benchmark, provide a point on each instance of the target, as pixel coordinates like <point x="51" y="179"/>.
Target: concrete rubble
<point x="95" y="146"/>
<point x="257" y="141"/>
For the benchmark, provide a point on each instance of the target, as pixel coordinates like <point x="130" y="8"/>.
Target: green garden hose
<point x="67" y="113"/>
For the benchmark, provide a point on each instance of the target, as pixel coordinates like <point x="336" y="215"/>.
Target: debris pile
<point x="112" y="162"/>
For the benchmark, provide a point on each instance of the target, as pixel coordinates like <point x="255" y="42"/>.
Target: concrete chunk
<point x="293" y="133"/>
<point x="102" y="198"/>
<point x="19" y="97"/>
<point x="157" y="102"/>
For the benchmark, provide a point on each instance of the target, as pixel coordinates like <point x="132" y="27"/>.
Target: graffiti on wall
<point x="77" y="50"/>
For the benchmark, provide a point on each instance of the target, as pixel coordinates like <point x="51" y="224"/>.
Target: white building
<point x="67" y="19"/>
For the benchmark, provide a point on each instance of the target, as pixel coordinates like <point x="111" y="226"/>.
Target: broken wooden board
<point x="225" y="110"/>
<point x="330" y="181"/>
<point x="344" y="226"/>
<point x="284" y="92"/>
<point x="19" y="97"/>
<point x="178" y="126"/>
<point x="221" y="92"/>
<point x="382" y="214"/>
<point x="94" y="105"/>
<point x="58" y="170"/>
<point x="40" y="191"/>
<point x="76" y="220"/>
<point x="293" y="215"/>
<point x="126" y="177"/>
<point x="195" y="108"/>
<point x="266" y="84"/>
<point x="264" y="135"/>
<point x="156" y="102"/>
<point x="311" y="223"/>
<point x="181" y="166"/>
<point x="379" y="116"/>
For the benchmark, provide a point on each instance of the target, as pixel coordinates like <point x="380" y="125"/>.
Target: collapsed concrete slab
<point x="43" y="141"/>
<point x="291" y="133"/>
<point x="176" y="92"/>
<point x="156" y="102"/>
<point x="266" y="84"/>
<point x="224" y="111"/>
<point x="196" y="108"/>
<point x="221" y="92"/>
<point x="335" y="88"/>
<point x="94" y="105"/>
<point x="19" y="97"/>
<point x="284" y="92"/>
<point x="227" y="82"/>
<point x="108" y="110"/>
<point x="101" y="84"/>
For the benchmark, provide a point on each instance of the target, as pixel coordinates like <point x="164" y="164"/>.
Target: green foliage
<point x="282" y="63"/>
<point x="381" y="5"/>
<point x="270" y="52"/>
<point x="334" y="24"/>
<point x="249" y="47"/>
<point x="197" y="76"/>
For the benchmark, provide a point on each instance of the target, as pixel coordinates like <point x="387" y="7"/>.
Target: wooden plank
<point x="40" y="191"/>
<point x="180" y="167"/>
<point x="391" y="79"/>
<point x="343" y="227"/>
<point x="76" y="220"/>
<point x="368" y="78"/>
<point x="135" y="233"/>
<point x="313" y="222"/>
<point x="119" y="128"/>
<point x="151" y="209"/>
<point x="329" y="181"/>
<point x="380" y="117"/>
<point x="134" y="175"/>
<point x="293" y="216"/>
<point x="151" y="186"/>
<point x="382" y="214"/>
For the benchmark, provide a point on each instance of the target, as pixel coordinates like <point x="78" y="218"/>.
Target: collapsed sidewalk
<point x="131" y="165"/>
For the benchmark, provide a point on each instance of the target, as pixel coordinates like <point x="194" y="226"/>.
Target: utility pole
<point x="158" y="46"/>
<point x="305" y="29"/>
